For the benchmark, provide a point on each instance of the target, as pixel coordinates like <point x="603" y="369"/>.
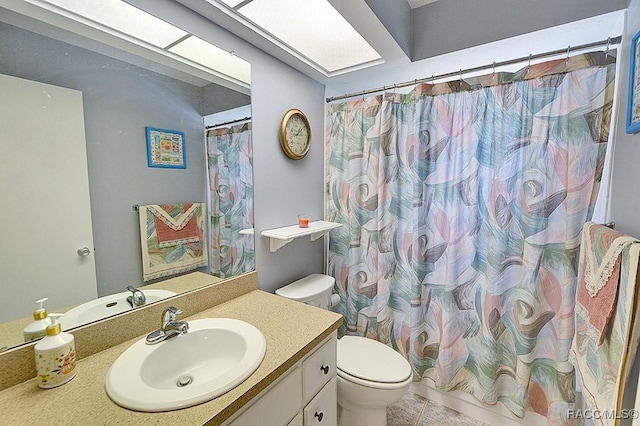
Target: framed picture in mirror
<point x="166" y="148"/>
<point x="633" y="106"/>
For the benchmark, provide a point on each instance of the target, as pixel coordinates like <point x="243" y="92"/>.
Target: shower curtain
<point x="230" y="167"/>
<point x="462" y="205"/>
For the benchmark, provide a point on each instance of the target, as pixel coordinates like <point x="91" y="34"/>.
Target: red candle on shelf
<point x="303" y="220"/>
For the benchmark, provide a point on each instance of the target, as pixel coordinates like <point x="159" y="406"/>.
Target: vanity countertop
<point x="291" y="328"/>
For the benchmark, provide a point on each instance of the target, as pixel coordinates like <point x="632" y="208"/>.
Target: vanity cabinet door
<point x="283" y="403"/>
<point x="297" y="421"/>
<point x="277" y="405"/>
<point x="323" y="409"/>
<point x="318" y="368"/>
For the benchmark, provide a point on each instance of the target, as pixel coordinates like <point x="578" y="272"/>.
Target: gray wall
<point x="215" y="98"/>
<point x="119" y="101"/>
<point x="396" y="17"/>
<point x="283" y="187"/>
<point x="447" y="26"/>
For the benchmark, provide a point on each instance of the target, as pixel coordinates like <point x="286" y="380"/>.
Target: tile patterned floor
<point x="414" y="410"/>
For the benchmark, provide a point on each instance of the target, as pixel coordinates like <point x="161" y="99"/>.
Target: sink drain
<point x="184" y="381"/>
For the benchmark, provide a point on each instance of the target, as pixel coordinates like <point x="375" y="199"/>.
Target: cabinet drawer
<point x="323" y="409"/>
<point x="278" y="404"/>
<point x="318" y="368"/>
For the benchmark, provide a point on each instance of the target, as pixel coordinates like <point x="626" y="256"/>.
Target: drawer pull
<point x="325" y="369"/>
<point x="319" y="416"/>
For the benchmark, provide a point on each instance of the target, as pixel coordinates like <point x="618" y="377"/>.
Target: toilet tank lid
<point x="307" y="288"/>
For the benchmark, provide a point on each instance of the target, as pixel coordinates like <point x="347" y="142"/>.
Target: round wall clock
<point x="295" y="134"/>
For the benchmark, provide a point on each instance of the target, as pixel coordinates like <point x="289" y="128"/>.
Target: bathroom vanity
<point x="306" y="394"/>
<point x="295" y="380"/>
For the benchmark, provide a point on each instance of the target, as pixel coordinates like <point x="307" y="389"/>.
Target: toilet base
<point x="365" y="406"/>
<point x="362" y="417"/>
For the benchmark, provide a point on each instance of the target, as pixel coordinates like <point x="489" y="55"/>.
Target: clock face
<point x="295" y="134"/>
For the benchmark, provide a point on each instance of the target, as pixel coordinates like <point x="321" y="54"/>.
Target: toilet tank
<point x="314" y="289"/>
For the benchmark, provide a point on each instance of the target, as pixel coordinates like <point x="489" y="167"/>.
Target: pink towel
<point x="599" y="275"/>
<point x="176" y="224"/>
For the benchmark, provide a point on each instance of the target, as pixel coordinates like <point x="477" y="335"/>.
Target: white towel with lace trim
<point x="172" y="238"/>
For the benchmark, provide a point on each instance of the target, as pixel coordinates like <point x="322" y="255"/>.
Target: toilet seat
<point x="375" y="385"/>
<point x="370" y="363"/>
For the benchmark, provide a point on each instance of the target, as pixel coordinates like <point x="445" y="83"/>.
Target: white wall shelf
<point x="279" y="237"/>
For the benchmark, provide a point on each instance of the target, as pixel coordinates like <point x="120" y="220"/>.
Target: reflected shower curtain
<point x="462" y="206"/>
<point x="230" y="166"/>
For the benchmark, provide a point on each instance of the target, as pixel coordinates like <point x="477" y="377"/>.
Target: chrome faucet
<point x="169" y="328"/>
<point x="137" y="297"/>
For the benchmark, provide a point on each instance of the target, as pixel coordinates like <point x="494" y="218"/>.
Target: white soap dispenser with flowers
<point x="55" y="356"/>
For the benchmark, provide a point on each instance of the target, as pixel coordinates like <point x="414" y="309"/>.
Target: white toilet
<point x="371" y="375"/>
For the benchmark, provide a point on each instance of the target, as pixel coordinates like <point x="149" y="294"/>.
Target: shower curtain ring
<point x="493" y="72"/>
<point x="606" y="53"/>
<point x="568" y="49"/>
<point x="529" y="65"/>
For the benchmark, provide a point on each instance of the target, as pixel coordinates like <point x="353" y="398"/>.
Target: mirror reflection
<point x="76" y="169"/>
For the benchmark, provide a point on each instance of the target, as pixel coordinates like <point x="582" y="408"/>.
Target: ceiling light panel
<point x="314" y="28"/>
<point x="125" y="18"/>
<point x="213" y="57"/>
<point x="232" y="3"/>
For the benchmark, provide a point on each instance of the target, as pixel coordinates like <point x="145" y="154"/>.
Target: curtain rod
<point x="228" y="122"/>
<point x="608" y="42"/>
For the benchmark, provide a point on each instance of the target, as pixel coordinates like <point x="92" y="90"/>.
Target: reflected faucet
<point x="137" y="297"/>
<point x="169" y="327"/>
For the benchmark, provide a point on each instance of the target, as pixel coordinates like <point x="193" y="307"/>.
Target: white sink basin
<point x="215" y="356"/>
<point x="107" y="306"/>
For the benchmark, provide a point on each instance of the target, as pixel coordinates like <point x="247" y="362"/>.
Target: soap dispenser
<point x="55" y="356"/>
<point x="37" y="328"/>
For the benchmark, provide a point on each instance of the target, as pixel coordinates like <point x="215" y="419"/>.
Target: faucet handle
<point x="137" y="297"/>
<point x="169" y="315"/>
<point x="170" y="328"/>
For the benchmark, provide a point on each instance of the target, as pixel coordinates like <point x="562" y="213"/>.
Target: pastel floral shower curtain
<point x="230" y="166"/>
<point x="462" y="206"/>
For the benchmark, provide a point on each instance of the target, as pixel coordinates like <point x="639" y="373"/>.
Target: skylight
<point x="133" y="23"/>
<point x="314" y="29"/>
<point x="125" y="18"/>
<point x="211" y="56"/>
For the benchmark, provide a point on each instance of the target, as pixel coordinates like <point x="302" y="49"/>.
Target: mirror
<point x="122" y="93"/>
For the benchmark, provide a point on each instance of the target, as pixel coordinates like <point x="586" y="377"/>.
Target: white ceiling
<point x="417" y="3"/>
